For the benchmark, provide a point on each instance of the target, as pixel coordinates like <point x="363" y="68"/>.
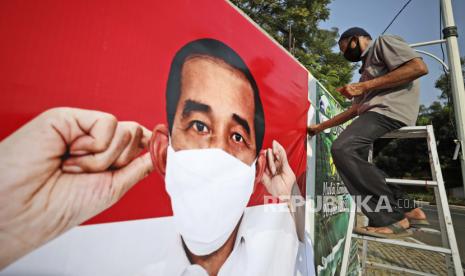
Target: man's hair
<point x="216" y="49"/>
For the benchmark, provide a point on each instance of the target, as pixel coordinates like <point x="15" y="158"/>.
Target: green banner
<point x="331" y="198"/>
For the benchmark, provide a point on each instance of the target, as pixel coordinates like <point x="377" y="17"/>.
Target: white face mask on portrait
<point x="209" y="192"/>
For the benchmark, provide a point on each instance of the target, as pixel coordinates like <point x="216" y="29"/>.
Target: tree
<point x="294" y="24"/>
<point x="443" y="83"/>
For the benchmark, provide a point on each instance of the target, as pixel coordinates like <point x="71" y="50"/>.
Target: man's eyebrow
<point x="191" y="106"/>
<point x="242" y="122"/>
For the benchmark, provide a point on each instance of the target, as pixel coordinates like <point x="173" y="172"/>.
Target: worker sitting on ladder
<point x="385" y="99"/>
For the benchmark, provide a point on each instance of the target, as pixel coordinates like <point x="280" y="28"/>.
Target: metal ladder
<point x="449" y="243"/>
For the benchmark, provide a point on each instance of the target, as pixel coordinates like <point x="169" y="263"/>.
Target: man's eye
<point x="238" y="138"/>
<point x="200" y="127"/>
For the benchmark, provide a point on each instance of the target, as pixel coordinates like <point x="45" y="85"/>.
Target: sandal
<point x="417" y="223"/>
<point x="397" y="232"/>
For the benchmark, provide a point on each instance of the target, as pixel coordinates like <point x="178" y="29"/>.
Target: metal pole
<point x="456" y="76"/>
<point x="421" y="44"/>
<point x="434" y="57"/>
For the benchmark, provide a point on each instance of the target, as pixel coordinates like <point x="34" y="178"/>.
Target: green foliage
<point x="294" y="24"/>
<point x="443" y="83"/>
<point x="408" y="158"/>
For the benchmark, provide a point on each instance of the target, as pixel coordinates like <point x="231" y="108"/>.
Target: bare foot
<point x="385" y="230"/>
<point x="416" y="213"/>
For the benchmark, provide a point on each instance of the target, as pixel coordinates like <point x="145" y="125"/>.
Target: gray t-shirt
<point x="382" y="56"/>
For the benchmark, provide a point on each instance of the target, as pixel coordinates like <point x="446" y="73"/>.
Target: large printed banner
<point x="187" y="69"/>
<point x="331" y="203"/>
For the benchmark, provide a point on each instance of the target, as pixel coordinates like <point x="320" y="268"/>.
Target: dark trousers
<point x="362" y="178"/>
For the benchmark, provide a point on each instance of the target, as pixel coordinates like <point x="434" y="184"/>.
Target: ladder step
<point x="397" y="268"/>
<point x="404" y="243"/>
<point x="408" y="132"/>
<point x="426" y="230"/>
<point x="411" y="182"/>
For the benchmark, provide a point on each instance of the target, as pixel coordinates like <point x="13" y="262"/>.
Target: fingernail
<point x="72" y="169"/>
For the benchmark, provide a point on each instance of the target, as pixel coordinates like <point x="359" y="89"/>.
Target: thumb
<point x="128" y="176"/>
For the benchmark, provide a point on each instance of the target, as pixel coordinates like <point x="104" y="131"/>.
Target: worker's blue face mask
<point x="353" y="54"/>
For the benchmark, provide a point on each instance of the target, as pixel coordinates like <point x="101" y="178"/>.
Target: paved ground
<point x="458" y="219"/>
<point x="428" y="262"/>
<point x="424" y="261"/>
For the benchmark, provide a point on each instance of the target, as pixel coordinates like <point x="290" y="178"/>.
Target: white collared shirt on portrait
<point x="266" y="244"/>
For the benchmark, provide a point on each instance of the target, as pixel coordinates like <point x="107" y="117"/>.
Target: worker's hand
<point x="278" y="177"/>
<point x="313" y="130"/>
<point x="62" y="168"/>
<point x="352" y="90"/>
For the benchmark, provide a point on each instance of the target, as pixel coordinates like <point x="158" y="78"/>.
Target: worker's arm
<point x="405" y="73"/>
<point x="335" y="121"/>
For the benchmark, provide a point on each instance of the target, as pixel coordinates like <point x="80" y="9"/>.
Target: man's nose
<point x="220" y="142"/>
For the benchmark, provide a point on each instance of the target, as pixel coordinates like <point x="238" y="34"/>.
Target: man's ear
<point x="158" y="147"/>
<point x="260" y="167"/>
